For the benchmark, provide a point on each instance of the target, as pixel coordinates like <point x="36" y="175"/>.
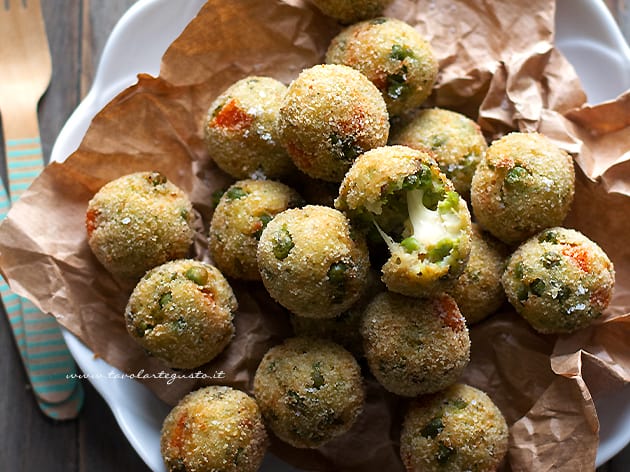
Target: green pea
<point x="442" y="249"/>
<point x="282" y="243"/>
<point x="410" y="244"/>
<point x="165" y="299"/>
<point x="437" y="141"/>
<point x="337" y="273"/>
<point x="516" y="175"/>
<point x="432" y="428"/>
<point x="199" y="275"/>
<point x="450" y="203"/>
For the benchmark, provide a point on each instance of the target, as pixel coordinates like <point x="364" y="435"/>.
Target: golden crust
<point x="331" y="114"/>
<point x="312" y="262"/>
<point x="214" y="428"/>
<point x="237" y="223"/>
<point x="559" y="280"/>
<point x="454" y="430"/>
<point x="524" y="184"/>
<point x="393" y="56"/>
<point x="309" y="391"/>
<point x="181" y="312"/>
<point x="415" y="346"/>
<point x="137" y="222"/>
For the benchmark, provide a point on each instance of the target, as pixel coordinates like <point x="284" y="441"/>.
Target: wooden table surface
<point x="77" y="31"/>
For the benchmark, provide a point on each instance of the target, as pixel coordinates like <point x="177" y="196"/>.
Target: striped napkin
<point x="48" y="363"/>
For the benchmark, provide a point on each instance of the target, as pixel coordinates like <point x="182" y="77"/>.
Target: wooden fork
<point x="25" y="72"/>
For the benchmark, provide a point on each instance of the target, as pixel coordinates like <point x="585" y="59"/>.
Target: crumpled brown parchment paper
<point x="498" y="65"/>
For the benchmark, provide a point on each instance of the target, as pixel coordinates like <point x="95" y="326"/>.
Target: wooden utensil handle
<point x="23" y="149"/>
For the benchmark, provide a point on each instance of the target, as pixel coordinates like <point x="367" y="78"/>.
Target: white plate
<point x="586" y="34"/>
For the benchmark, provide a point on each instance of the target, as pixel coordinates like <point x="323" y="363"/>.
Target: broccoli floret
<point x="415" y="209"/>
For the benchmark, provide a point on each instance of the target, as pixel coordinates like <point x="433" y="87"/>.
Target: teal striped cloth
<point x="47" y="361"/>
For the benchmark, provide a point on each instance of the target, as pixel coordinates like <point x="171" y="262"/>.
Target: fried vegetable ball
<point x="344" y="329"/>
<point x="239" y="219"/>
<point x="214" y="428"/>
<point x="181" y="312"/>
<point x="393" y="56"/>
<point x="478" y="291"/>
<point x="458" y="429"/>
<point x="138" y="221"/>
<point x="524" y="184"/>
<point x="424" y="222"/>
<point x="415" y="346"/>
<point x="312" y="262"/>
<point x="241" y="131"/>
<point x="330" y="115"/>
<point x="455" y="140"/>
<point x="559" y="280"/>
<point x="309" y="391"/>
<point x="351" y="11"/>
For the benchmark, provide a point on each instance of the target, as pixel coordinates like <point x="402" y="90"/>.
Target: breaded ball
<point x="241" y="131"/>
<point x="312" y="262"/>
<point x="424" y="222"/>
<point x="138" y="221"/>
<point x="351" y="11"/>
<point x="524" y="184"/>
<point x="478" y="291"/>
<point x="344" y="329"/>
<point x="559" y="280"/>
<point x="455" y="140"/>
<point x="181" y="312"/>
<point x="309" y="391"/>
<point x="329" y="116"/>
<point x="214" y="428"/>
<point x="244" y="210"/>
<point x="415" y="346"/>
<point x="455" y="430"/>
<point x="393" y="56"/>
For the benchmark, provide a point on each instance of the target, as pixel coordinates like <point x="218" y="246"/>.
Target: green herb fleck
<point x="345" y="147"/>
<point x="444" y="453"/>
<point x="180" y="324"/>
<point x="432" y="428"/>
<point x="155" y="178"/>
<point x="537" y="287"/>
<point x="460" y="403"/>
<point x="548" y="236"/>
<point x="378" y="21"/>
<point x="317" y="377"/>
<point x="400" y="52"/>
<point x="234" y="193"/>
<point x="216" y="197"/>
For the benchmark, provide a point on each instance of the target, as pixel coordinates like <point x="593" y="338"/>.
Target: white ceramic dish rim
<point x="585" y="32"/>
